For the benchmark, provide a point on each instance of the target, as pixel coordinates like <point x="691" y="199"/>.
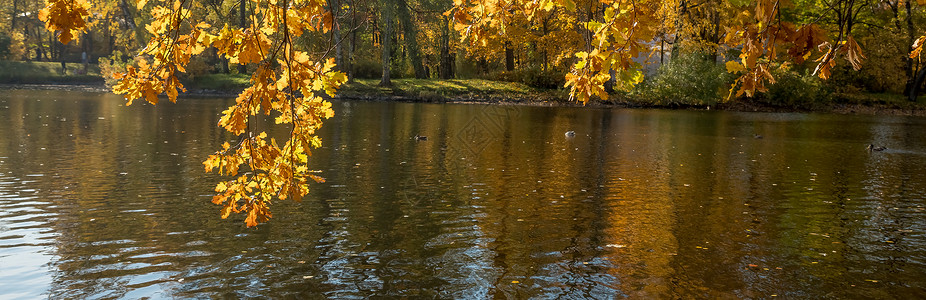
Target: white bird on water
<point x="570" y="133"/>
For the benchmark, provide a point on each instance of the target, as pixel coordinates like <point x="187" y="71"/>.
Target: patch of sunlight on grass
<point x="442" y="86"/>
<point x="221" y="81"/>
<point x="41" y="72"/>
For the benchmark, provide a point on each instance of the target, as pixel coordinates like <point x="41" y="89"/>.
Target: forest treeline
<point x="385" y="39"/>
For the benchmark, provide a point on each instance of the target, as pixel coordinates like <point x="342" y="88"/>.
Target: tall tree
<point x="387" y="23"/>
<point x="410" y="35"/>
<point x="14" y="13"/>
<point x="243" y="24"/>
<point x="335" y="7"/>
<point x="352" y="41"/>
<point x="446" y="57"/>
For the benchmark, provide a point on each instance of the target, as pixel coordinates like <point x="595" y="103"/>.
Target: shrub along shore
<point x="650" y="94"/>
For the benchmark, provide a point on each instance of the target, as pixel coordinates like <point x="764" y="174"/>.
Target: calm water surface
<point x="98" y="200"/>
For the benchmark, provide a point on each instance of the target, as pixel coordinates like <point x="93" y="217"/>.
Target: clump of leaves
<point x="287" y="83"/>
<point x="66" y="17"/>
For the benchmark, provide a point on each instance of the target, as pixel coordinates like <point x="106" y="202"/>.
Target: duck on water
<point x="875" y="148"/>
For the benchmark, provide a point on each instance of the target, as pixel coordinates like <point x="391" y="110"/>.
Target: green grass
<point x="442" y="87"/>
<point x="420" y="89"/>
<point x="232" y="83"/>
<point x="880" y="99"/>
<point x="47" y="73"/>
<point x="447" y="89"/>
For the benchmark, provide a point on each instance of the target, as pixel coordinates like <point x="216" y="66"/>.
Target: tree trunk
<point x="543" y="52"/>
<point x="509" y="57"/>
<point x="679" y="23"/>
<point x="349" y="68"/>
<point x="411" y="39"/>
<point x="39" y="47"/>
<point x="110" y="41"/>
<point x="45" y="50"/>
<point x="223" y="61"/>
<point x="908" y="62"/>
<point x="916" y="85"/>
<point x="13" y="16"/>
<point x="127" y="14"/>
<point x="139" y="32"/>
<point x="446" y="61"/>
<point x="609" y="85"/>
<point x="243" y="23"/>
<point x="334" y="6"/>
<point x="386" y="41"/>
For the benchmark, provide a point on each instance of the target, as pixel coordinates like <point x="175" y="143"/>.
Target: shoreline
<point x="542" y="99"/>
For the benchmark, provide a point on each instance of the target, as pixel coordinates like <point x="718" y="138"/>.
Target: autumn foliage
<point x="68" y="17"/>
<point x="287" y="84"/>
<point x="602" y="41"/>
<point x="617" y="31"/>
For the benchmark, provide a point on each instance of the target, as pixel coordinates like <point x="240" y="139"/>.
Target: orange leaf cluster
<point x="287" y="83"/>
<point x="918" y="47"/>
<point x="66" y="16"/>
<point x="762" y="36"/>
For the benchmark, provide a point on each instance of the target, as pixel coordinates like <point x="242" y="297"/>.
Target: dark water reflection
<point x="98" y="201"/>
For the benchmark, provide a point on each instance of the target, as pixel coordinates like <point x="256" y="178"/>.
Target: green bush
<point x="795" y="89"/>
<point x="366" y="69"/>
<point x="533" y="77"/>
<point x="232" y="83"/>
<point x="5" y="42"/>
<point x="689" y="79"/>
<point x="549" y="79"/>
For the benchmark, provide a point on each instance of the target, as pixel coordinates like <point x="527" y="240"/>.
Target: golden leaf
<point x="854" y="53"/>
<point x="917" y="47"/>
<point x="735" y="67"/>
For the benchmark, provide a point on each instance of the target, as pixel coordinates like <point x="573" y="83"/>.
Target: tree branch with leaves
<point x="288" y="84"/>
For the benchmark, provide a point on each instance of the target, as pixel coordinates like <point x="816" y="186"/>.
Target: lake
<point x="99" y="200"/>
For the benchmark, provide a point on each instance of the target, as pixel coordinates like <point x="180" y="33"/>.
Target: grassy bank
<point x="221" y="83"/>
<point x="456" y="90"/>
<point x="405" y="89"/>
<point x="16" y="72"/>
<point x="484" y="91"/>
